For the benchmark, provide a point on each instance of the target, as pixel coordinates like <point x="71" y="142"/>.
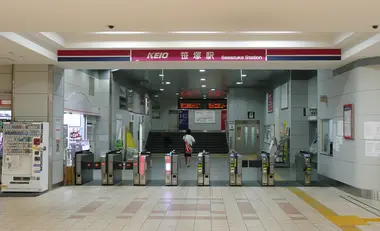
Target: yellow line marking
<point x="346" y="223"/>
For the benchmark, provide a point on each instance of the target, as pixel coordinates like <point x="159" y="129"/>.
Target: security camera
<point x="375" y="26"/>
<point x="111" y="26"/>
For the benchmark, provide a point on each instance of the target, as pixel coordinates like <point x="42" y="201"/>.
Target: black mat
<point x="21" y="194"/>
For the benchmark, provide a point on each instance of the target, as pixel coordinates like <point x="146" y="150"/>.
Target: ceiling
<point x="169" y="24"/>
<point x="166" y="83"/>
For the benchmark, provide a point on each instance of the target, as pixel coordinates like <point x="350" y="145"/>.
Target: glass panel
<point x="246" y="135"/>
<point x="327" y="136"/>
<point x="253" y="136"/>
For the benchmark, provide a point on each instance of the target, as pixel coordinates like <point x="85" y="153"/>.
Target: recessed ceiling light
<point x="156" y="96"/>
<point x="177" y="93"/>
<point x="180" y="97"/>
<point x="161" y="75"/>
<point x="243" y="75"/>
<point x="213" y="89"/>
<point x="204" y="96"/>
<point x="130" y="90"/>
<point x="196" y="32"/>
<point x="161" y="89"/>
<point x="239" y="82"/>
<point x="203" y="85"/>
<point x="202" y="70"/>
<point x="167" y="83"/>
<point x="121" y="32"/>
<point x="203" y="79"/>
<point x="270" y="32"/>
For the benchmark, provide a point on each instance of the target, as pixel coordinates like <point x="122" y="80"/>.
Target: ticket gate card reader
<point x="304" y="169"/>
<point x="235" y="170"/>
<point x="141" y="169"/>
<point x="203" y="170"/>
<point x="171" y="169"/>
<point x="266" y="172"/>
<point x="112" y="167"/>
<point x="84" y="161"/>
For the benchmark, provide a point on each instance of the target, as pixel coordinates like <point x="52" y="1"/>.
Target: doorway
<point x="247" y="136"/>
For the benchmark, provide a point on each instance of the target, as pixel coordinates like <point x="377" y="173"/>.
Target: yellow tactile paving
<point x="346" y="223"/>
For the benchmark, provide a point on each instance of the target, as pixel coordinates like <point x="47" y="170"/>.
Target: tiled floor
<point x="182" y="208"/>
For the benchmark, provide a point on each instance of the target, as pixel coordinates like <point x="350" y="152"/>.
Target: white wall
<point x="360" y="87"/>
<point x="77" y="99"/>
<point x="240" y="102"/>
<point x="5" y="82"/>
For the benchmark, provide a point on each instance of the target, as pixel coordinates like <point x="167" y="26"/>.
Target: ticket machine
<point x="142" y="164"/>
<point x="112" y="167"/>
<point x="266" y="172"/>
<point x="235" y="169"/>
<point x="203" y="169"/>
<point x="303" y="168"/>
<point x="171" y="169"/>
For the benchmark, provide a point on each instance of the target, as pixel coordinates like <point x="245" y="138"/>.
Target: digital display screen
<point x="212" y="104"/>
<point x="190" y="106"/>
<point x="216" y="106"/>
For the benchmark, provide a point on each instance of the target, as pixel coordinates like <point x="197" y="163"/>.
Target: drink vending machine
<point x="171" y="169"/>
<point x="25" y="157"/>
<point x="203" y="170"/>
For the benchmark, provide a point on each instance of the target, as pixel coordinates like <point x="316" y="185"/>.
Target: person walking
<point x="189" y="141"/>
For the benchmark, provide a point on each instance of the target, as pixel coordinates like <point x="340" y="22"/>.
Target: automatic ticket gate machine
<point x="142" y="164"/>
<point x="171" y="169"/>
<point x="266" y="171"/>
<point x="112" y="167"/>
<point x="203" y="170"/>
<point x="235" y="169"/>
<point x="84" y="161"/>
<point x="303" y="168"/>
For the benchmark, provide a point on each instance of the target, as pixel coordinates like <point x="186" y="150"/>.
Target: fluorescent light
<point x="202" y="70"/>
<point x="270" y="32"/>
<point x="203" y="85"/>
<point x="156" y="96"/>
<point x="203" y="79"/>
<point x="161" y="75"/>
<point x="176" y="93"/>
<point x="213" y="89"/>
<point x="161" y="89"/>
<point x="130" y="90"/>
<point x="167" y="83"/>
<point x="196" y="32"/>
<point x="239" y="83"/>
<point x="114" y="70"/>
<point x="180" y="97"/>
<point x="243" y="75"/>
<point x="121" y="32"/>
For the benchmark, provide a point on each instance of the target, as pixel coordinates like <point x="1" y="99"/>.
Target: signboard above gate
<point x="194" y="55"/>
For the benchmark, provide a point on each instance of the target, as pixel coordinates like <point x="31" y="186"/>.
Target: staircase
<point x="212" y="142"/>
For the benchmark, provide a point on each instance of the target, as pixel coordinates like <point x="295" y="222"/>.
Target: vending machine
<point x="25" y="157"/>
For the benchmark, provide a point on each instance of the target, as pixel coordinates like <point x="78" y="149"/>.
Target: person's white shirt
<point x="189" y="139"/>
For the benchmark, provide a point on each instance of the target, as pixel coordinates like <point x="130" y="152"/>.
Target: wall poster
<point x="270" y="102"/>
<point x="223" y="120"/>
<point x="348" y="121"/>
<point x="123" y="98"/>
<point x="183" y="120"/>
<point x="204" y="117"/>
<point x="284" y="95"/>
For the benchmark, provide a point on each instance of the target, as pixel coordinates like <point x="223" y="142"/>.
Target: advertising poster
<point x="270" y="102"/>
<point x="183" y="120"/>
<point x="223" y="120"/>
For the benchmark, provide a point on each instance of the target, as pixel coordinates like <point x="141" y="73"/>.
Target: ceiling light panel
<point x="121" y="32"/>
<point x="269" y="32"/>
<point x="196" y="32"/>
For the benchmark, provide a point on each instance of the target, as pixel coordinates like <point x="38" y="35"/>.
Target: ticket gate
<point x="266" y="171"/>
<point x="84" y="161"/>
<point x="171" y="169"/>
<point x="142" y="164"/>
<point x="203" y="171"/>
<point x="236" y="169"/>
<point x="112" y="167"/>
<point x="303" y="168"/>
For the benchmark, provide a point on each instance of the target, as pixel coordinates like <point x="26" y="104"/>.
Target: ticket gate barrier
<point x="236" y="169"/>
<point x="84" y="161"/>
<point x="112" y="167"/>
<point x="203" y="171"/>
<point x="266" y="171"/>
<point x="303" y="168"/>
<point x="171" y="169"/>
<point x="142" y="169"/>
